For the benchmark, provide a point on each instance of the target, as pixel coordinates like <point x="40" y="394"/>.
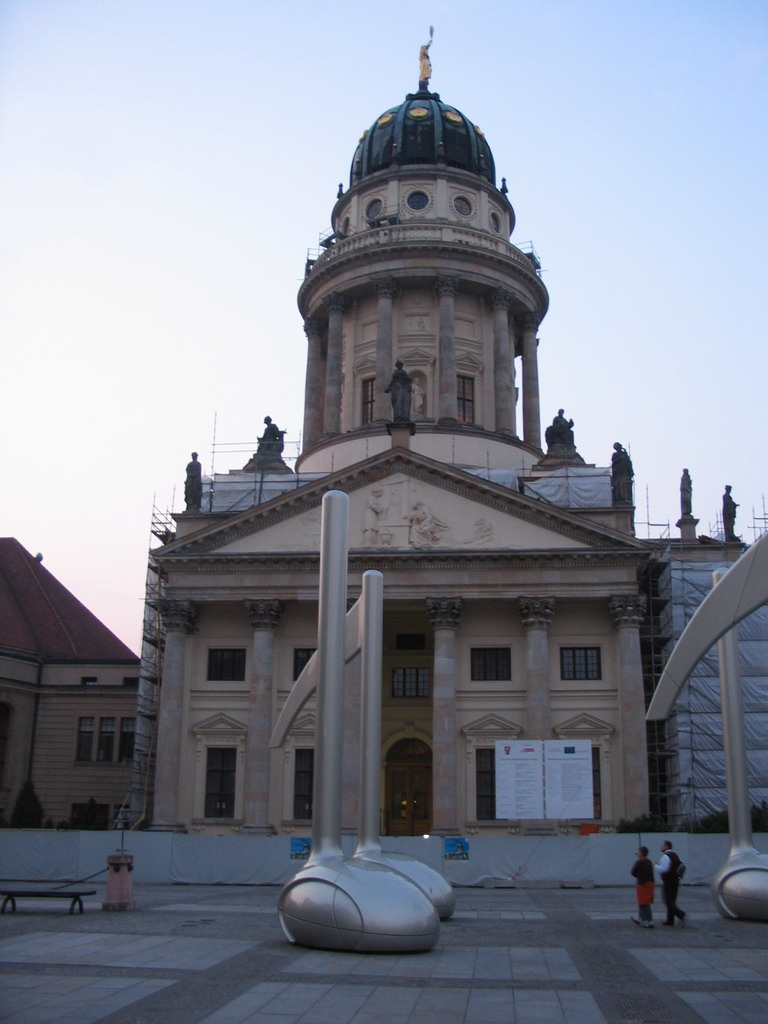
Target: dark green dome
<point x="423" y="130"/>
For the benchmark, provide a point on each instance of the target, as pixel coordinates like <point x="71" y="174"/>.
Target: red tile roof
<point x="39" y="616"/>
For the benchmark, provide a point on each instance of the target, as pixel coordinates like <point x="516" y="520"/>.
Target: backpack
<point x="680" y="869"/>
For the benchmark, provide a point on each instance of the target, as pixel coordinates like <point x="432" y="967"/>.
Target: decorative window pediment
<point x="492" y="727"/>
<point x="219" y="724"/>
<point x="583" y="726"/>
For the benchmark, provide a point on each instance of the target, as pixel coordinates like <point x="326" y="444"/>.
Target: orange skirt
<point x="645" y="894"/>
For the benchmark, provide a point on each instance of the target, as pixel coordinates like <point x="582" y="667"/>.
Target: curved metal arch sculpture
<point x="740" y="886"/>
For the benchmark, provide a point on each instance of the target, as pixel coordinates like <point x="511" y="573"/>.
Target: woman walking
<point x="642" y="872"/>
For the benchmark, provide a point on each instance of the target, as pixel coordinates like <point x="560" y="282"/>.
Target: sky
<point x="165" y="165"/>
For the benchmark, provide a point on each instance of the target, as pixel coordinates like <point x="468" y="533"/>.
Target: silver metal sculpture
<point x="332" y="902"/>
<point x="740" y="886"/>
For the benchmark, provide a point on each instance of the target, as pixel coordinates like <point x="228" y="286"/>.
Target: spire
<point x="425" y="66"/>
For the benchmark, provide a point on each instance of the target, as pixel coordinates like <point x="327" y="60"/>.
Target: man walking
<point x="668" y="866"/>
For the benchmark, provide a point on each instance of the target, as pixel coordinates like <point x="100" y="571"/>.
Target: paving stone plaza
<point x="217" y="955"/>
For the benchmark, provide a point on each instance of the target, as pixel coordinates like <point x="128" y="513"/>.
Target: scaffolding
<point x="152" y="645"/>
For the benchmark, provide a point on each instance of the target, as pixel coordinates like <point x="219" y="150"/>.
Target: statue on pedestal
<point x="686" y="494"/>
<point x="622" y="475"/>
<point x="729" y="516"/>
<point x="399" y="389"/>
<point x="193" y="485"/>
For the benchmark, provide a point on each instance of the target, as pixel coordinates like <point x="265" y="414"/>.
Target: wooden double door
<point x="408" y="789"/>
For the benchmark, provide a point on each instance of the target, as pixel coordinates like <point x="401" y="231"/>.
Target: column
<point x="179" y="622"/>
<point x="444" y="614"/>
<point x="315" y="383"/>
<point x="628" y="614"/>
<point x="531" y="413"/>
<point x="265" y="617"/>
<point x="537" y="613"/>
<point x="335" y="304"/>
<point x="385" y="290"/>
<point x="503" y="364"/>
<point x="446" y="347"/>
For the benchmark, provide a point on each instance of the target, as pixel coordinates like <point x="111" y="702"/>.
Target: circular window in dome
<point x="418" y="200"/>
<point x="418" y="113"/>
<point x="453" y="117"/>
<point x="384" y="120"/>
<point x="462" y="206"/>
<point x="373" y="209"/>
<point x="495" y="222"/>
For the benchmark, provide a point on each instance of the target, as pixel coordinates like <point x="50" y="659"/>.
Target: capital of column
<point x="500" y="298"/>
<point x="446" y="284"/>
<point x="313" y="327"/>
<point x="386" y="287"/>
<point x="336" y="302"/>
<point x="265" y="614"/>
<point x="178" y="616"/>
<point x="536" y="612"/>
<point x="528" y="322"/>
<point x="444" y="612"/>
<point x="627" y="611"/>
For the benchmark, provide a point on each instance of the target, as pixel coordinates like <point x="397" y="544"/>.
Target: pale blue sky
<point x="166" y="164"/>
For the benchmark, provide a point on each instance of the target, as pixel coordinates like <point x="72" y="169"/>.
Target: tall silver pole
<point x="326" y="797"/>
<point x="734" y="738"/>
<point x="371" y="644"/>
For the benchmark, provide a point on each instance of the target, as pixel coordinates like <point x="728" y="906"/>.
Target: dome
<point x="423" y="130"/>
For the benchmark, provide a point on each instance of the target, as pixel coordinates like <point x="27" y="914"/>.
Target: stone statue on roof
<point x="193" y="485"/>
<point x="622" y="475"/>
<point x="686" y="494"/>
<point x="729" y="515"/>
<point x="399" y="389"/>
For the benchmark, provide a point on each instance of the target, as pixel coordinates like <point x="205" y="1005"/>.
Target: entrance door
<point x="408" y="789"/>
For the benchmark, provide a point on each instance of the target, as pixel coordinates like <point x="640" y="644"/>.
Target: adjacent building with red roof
<point x="67" y="695"/>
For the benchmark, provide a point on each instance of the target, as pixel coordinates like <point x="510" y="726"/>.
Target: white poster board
<point x="568" y="779"/>
<point x="538" y="779"/>
<point x="519" y="768"/>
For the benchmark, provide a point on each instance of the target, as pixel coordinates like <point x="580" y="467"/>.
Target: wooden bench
<point x="75" y="895"/>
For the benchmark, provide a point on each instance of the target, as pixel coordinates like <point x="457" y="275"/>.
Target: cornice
<point x="430" y="251"/>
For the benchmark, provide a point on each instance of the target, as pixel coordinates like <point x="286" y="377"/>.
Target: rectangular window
<point x="465" y="399"/>
<point x="226" y="664"/>
<point x="85" y="730"/>
<point x="491" y="663"/>
<point x="301" y="656"/>
<point x="410" y="642"/>
<point x="89" y="680"/>
<point x="368" y="395"/>
<point x="580" y="663"/>
<point x="220" y="782"/>
<point x="303" y="780"/>
<point x="127" y="736"/>
<point x="485" y="783"/>
<point x="106" y="746"/>
<point x="410" y="682"/>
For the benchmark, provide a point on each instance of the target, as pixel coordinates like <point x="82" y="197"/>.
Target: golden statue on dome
<point x="425" y="66"/>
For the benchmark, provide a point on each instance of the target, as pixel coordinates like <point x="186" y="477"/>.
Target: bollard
<point x="119" y="894"/>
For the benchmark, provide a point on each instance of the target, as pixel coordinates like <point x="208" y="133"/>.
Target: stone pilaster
<point x="628" y="613"/>
<point x="537" y="614"/>
<point x="314" y="387"/>
<point x="444" y="615"/>
<point x="179" y="619"/>
<point x="335" y="304"/>
<point x="446" y="287"/>
<point x="503" y="365"/>
<point x="265" y="616"/>
<point x="385" y="291"/>
<point x="531" y="412"/>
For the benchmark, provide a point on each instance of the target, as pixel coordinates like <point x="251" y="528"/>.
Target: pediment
<point x="492" y="727"/>
<point x="583" y="725"/>
<point x="304" y="725"/>
<point x="219" y="723"/>
<point x="404" y="503"/>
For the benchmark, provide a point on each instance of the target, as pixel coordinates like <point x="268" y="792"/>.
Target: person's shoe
<point x="636" y="920"/>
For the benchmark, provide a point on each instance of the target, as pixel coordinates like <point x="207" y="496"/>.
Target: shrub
<point x="27" y="811"/>
<point x="645" y="823"/>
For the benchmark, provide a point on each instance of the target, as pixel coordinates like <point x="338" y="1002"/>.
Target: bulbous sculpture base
<point x="740" y="887"/>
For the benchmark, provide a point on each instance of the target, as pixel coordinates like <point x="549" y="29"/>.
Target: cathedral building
<point x="512" y="573"/>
